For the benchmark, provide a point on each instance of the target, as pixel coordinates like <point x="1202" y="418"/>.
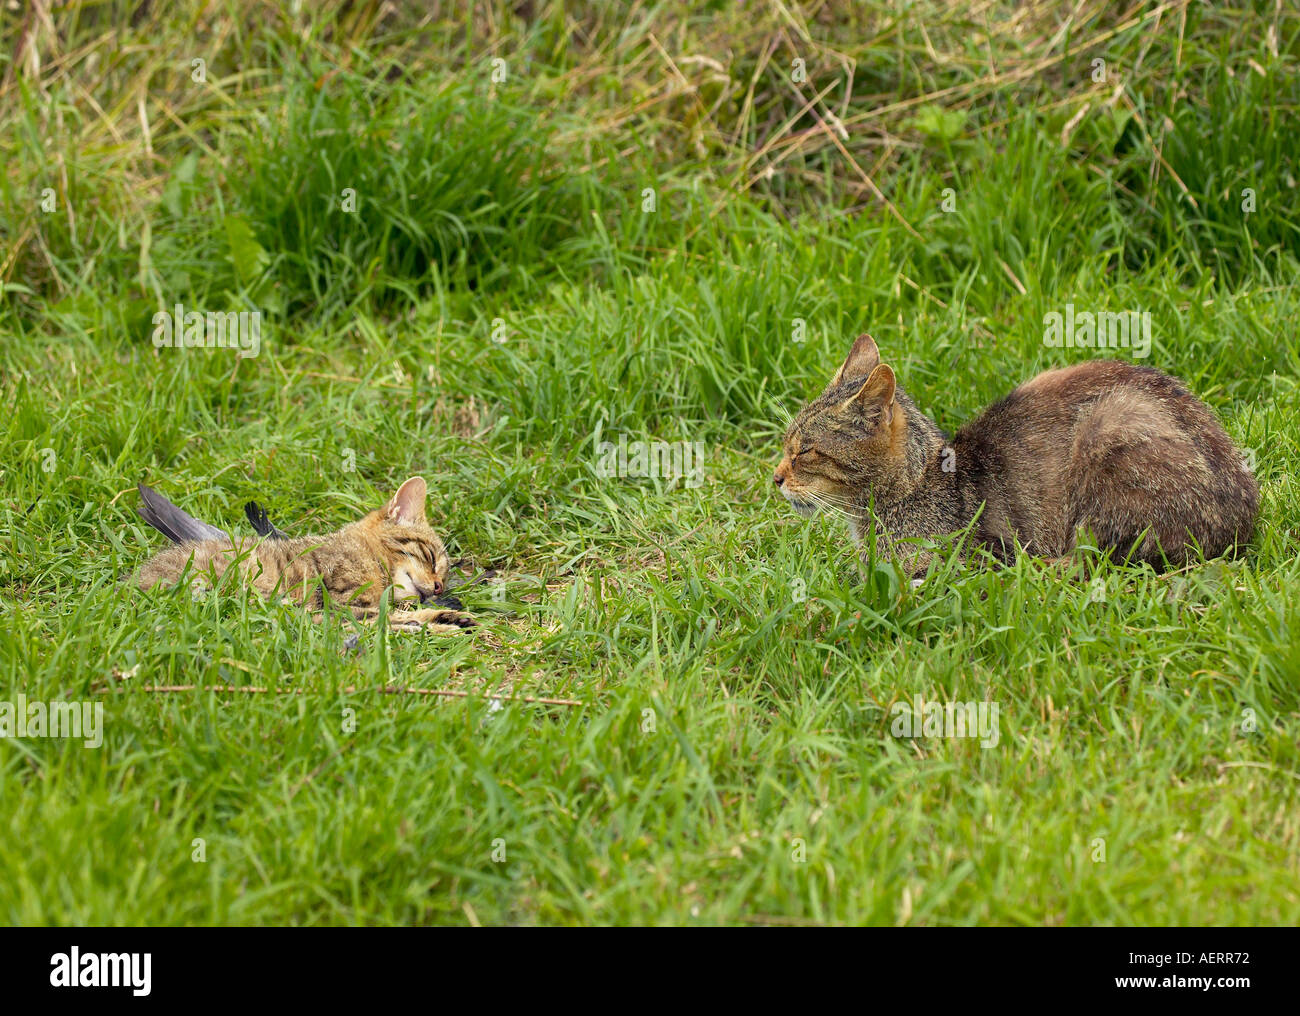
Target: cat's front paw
<point x="445" y="620"/>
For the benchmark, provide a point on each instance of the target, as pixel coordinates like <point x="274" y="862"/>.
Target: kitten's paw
<point x="443" y="620"/>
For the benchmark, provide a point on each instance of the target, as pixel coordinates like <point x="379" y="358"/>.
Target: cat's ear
<point x="877" y="392"/>
<point x="863" y="358"/>
<point x="407" y="506"/>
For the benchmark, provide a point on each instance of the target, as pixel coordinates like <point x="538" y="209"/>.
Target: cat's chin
<point x="805" y="508"/>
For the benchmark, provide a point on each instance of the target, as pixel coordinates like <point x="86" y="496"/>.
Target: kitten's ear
<point x="877" y="392"/>
<point x="863" y="358"/>
<point x="407" y="506"/>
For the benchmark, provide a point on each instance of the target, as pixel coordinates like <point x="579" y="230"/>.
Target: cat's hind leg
<point x="1137" y="481"/>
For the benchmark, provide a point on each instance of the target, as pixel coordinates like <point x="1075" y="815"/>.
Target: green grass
<point x="498" y="306"/>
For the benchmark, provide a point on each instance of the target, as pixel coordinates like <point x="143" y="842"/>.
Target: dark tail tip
<point x="261" y="522"/>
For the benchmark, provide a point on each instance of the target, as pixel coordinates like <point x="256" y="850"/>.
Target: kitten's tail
<point x="176" y="525"/>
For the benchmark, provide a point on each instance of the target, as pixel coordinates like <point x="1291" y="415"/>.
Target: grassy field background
<point x="578" y="221"/>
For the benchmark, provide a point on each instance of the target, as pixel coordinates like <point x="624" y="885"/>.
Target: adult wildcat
<point x="1123" y="451"/>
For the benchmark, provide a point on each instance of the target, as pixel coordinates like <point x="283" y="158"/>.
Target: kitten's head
<point x="408" y="554"/>
<point x="847" y="440"/>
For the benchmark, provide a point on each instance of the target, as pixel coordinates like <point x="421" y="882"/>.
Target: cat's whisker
<point x="827" y="495"/>
<point x="822" y="500"/>
<point x="828" y="498"/>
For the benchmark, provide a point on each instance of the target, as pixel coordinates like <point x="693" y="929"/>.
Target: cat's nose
<point x="778" y="479"/>
<point x="437" y="587"/>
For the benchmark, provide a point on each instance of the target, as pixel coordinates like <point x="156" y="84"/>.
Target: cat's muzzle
<point x="807" y="509"/>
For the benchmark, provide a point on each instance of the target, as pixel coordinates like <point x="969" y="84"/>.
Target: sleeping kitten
<point x="265" y="528"/>
<point x="1121" y="450"/>
<point x="392" y="547"/>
